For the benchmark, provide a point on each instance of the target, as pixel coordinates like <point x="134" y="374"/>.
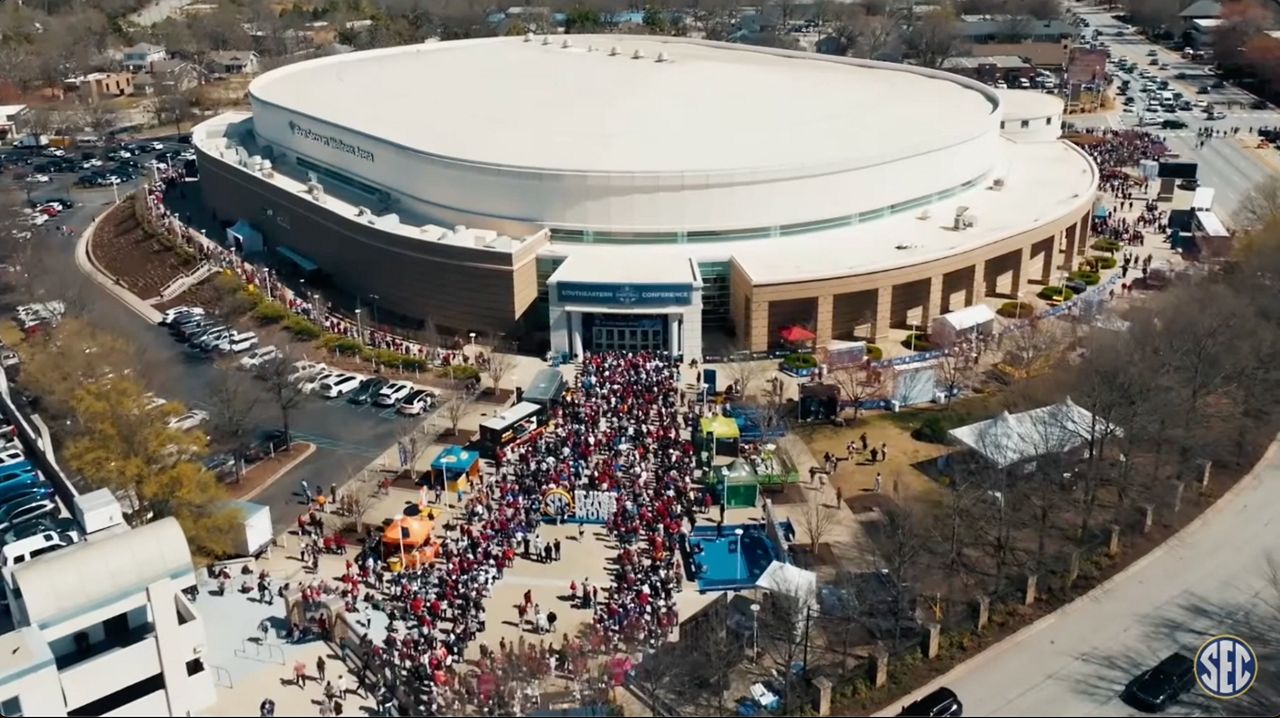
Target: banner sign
<point x="588" y="507"/>
<point x="625" y="295"/>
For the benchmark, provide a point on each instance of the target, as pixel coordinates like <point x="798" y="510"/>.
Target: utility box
<point x="255" y="528"/>
<point x="97" y="511"/>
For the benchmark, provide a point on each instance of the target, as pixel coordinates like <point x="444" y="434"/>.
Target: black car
<point x="1173" y="124"/>
<point x="266" y="447"/>
<point x="1076" y="286"/>
<point x="368" y="389"/>
<point x="89" y="179"/>
<point x="942" y="702"/>
<point x="1192" y="183"/>
<point x="221" y="465"/>
<point x="1155" y="688"/>
<point x="1258" y="105"/>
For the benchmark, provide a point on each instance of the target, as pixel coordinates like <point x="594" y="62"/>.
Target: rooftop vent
<point x="614" y="51"/>
<point x="662" y="56"/>
<point x="566" y="44"/>
<point x="528" y="37"/>
<point x="963" y="219"/>
<point x="591" y="48"/>
<point x="638" y="54"/>
<point x="998" y="184"/>
<point x="924" y="214"/>
<point x="546" y="39"/>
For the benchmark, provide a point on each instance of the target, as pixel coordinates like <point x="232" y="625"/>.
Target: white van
<point x="26" y="549"/>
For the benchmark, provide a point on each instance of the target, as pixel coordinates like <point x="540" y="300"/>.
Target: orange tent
<point x="406" y="532"/>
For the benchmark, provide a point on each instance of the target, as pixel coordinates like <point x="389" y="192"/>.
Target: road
<point x="158" y="11"/>
<point x="1211" y="578"/>
<point x="347" y="437"/>
<point x="1225" y="164"/>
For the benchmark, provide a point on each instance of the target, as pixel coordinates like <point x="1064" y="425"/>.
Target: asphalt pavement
<point x="1230" y="169"/>
<point x="347" y="437"/>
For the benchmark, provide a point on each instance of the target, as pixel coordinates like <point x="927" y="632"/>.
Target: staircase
<point x="184" y="282"/>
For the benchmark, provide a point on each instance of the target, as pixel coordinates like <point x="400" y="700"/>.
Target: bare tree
<point x="501" y="362"/>
<point x="746" y="374"/>
<point x="934" y="38"/>
<point x="817" y="519"/>
<point x="858" y="383"/>
<point x="1262" y="205"/>
<point x="455" y="408"/>
<point x="903" y="542"/>
<point x="284" y="393"/>
<point x="233" y="401"/>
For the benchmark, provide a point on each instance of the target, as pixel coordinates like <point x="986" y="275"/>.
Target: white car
<point x="392" y="393"/>
<point x="158" y="164"/>
<point x="260" y="357"/>
<point x="237" y="342"/>
<point x="90" y="163"/>
<point x="174" y="312"/>
<point x="1219" y="115"/>
<point x="54" y="152"/>
<point x="153" y="146"/>
<point x="304" y="370"/>
<point x="153" y="401"/>
<point x="120" y="154"/>
<point x="187" y="155"/>
<point x="35" y="219"/>
<point x="313" y="383"/>
<point x="1200" y="104"/>
<point x="339" y="385"/>
<point x="416" y="402"/>
<point x="189" y="420"/>
<point x="8" y="358"/>
<point x="11" y="456"/>
<point x="38" y="178"/>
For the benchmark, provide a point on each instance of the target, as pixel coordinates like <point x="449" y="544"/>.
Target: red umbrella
<point x="796" y="334"/>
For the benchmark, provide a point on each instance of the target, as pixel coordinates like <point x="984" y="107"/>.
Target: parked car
<point x="20" y="513"/>
<point x="941" y="702"/>
<point x="120" y="154"/>
<point x="14" y="497"/>
<point x="367" y="391"/>
<point x="37" y="178"/>
<point x="260" y="357"/>
<point x="189" y="420"/>
<point x="153" y="146"/>
<point x="1156" y="688"/>
<point x="266" y="446"/>
<point x="19" y="470"/>
<point x="22" y="550"/>
<point x="304" y="370"/>
<point x="237" y="342"/>
<point x="9" y="358"/>
<point x="311" y="384"/>
<point x="31" y="528"/>
<point x="173" y="313"/>
<point x="54" y="152"/>
<point x="24" y="482"/>
<point x="221" y="465"/>
<point x="339" y="385"/>
<point x="1189" y="184"/>
<point x="11" y="456"/>
<point x="416" y="402"/>
<point x="392" y="393"/>
<point x="213" y="339"/>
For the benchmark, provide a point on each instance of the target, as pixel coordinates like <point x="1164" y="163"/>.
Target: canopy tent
<point x="243" y="237"/>
<point x="797" y="334"/>
<point x="722" y="427"/>
<point x="454" y="468"/>
<point x="736" y="485"/>
<point x="785" y="579"/>
<point x="1012" y="438"/>
<point x="978" y="319"/>
<point x="306" y="265"/>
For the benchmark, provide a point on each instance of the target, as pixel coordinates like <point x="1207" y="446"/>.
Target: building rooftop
<point x="1043" y="180"/>
<point x="982" y="26"/>
<point x="1029" y="103"/>
<point x="606" y="269"/>
<point x="511" y="103"/>
<point x="1202" y="9"/>
<point x="78" y="578"/>
<point x="1004" y="61"/>
<point x="22" y="652"/>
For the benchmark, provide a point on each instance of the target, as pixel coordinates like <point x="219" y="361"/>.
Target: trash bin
<point x="394" y="564"/>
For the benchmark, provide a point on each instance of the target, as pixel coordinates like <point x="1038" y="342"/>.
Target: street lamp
<point x="473" y="344"/>
<point x="755" y="630"/>
<point x="375" y="299"/>
<point x="738" y="533"/>
<point x="359" y="327"/>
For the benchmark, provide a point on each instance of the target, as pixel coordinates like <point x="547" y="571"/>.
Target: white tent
<point x="978" y="319"/>
<point x="783" y="578"/>
<point x="1010" y="438"/>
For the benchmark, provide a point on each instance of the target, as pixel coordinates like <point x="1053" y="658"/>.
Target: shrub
<point x="917" y="340"/>
<point x="1084" y="275"/>
<point x="1016" y="310"/>
<point x="341" y="345"/>
<point x="874" y="353"/>
<point x="1106" y="245"/>
<point x="270" y="312"/>
<point x="934" y="429"/>
<point x="1104" y="261"/>
<point x="1052" y="292"/>
<point x="800" y="361"/>
<point x="302" y="328"/>
<point x="459" y="372"/>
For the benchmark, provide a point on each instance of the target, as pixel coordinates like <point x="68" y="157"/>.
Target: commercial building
<point x="629" y="192"/>
<point x="1043" y="43"/>
<point x="102" y="628"/>
<point x="100" y="85"/>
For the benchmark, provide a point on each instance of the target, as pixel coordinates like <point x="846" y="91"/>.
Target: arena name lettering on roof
<point x="330" y="141"/>
<point x="625" y="294"/>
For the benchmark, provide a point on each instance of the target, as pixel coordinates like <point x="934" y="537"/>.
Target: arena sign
<point x="330" y="141"/>
<point x="594" y="507"/>
<point x="625" y="295"/>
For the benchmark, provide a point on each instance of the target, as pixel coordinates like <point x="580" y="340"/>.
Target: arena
<point x="618" y="192"/>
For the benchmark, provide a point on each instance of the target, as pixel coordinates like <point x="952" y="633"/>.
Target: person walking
<point x="876" y="489"/>
<point x="874" y="454"/>
<point x="863" y="439"/>
<point x="340" y="687"/>
<point x="320" y="667"/>
<point x="264" y="630"/>
<point x="306" y="491"/>
<point x="555" y="549"/>
<point x="300" y="674"/>
<point x="267" y="707"/>
<point x="333" y="494"/>
<point x="884" y="451"/>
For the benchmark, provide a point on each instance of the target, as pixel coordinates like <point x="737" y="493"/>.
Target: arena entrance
<point x="625" y="332"/>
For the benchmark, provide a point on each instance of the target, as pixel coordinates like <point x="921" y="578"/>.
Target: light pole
<point x="359" y="327"/>
<point x="738" y="534"/>
<point x="473" y="344"/>
<point x="375" y="299"/>
<point x="755" y="631"/>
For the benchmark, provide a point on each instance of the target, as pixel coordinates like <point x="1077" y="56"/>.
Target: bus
<point x="509" y="427"/>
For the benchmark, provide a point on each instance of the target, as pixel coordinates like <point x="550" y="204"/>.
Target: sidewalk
<point x="88" y="266"/>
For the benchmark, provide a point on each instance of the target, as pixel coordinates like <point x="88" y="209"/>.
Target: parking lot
<point x="347" y="437"/>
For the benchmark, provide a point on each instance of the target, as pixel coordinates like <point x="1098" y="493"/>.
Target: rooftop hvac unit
<point x="638" y="54"/>
<point x="566" y="44"/>
<point x="528" y="37"/>
<point x="924" y="214"/>
<point x="265" y="169"/>
<point x="998" y="184"/>
<point x="362" y="211"/>
<point x="546" y="39"/>
<point x="662" y="57"/>
<point x="962" y="219"/>
<point x="614" y="51"/>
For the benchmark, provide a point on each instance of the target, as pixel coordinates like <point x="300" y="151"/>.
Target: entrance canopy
<point x="244" y="237"/>
<point x="597" y="281"/>
<point x="306" y="265"/>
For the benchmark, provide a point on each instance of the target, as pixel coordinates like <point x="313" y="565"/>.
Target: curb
<point x="311" y="449"/>
<point x="89" y="267"/>
<point x="1095" y="594"/>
